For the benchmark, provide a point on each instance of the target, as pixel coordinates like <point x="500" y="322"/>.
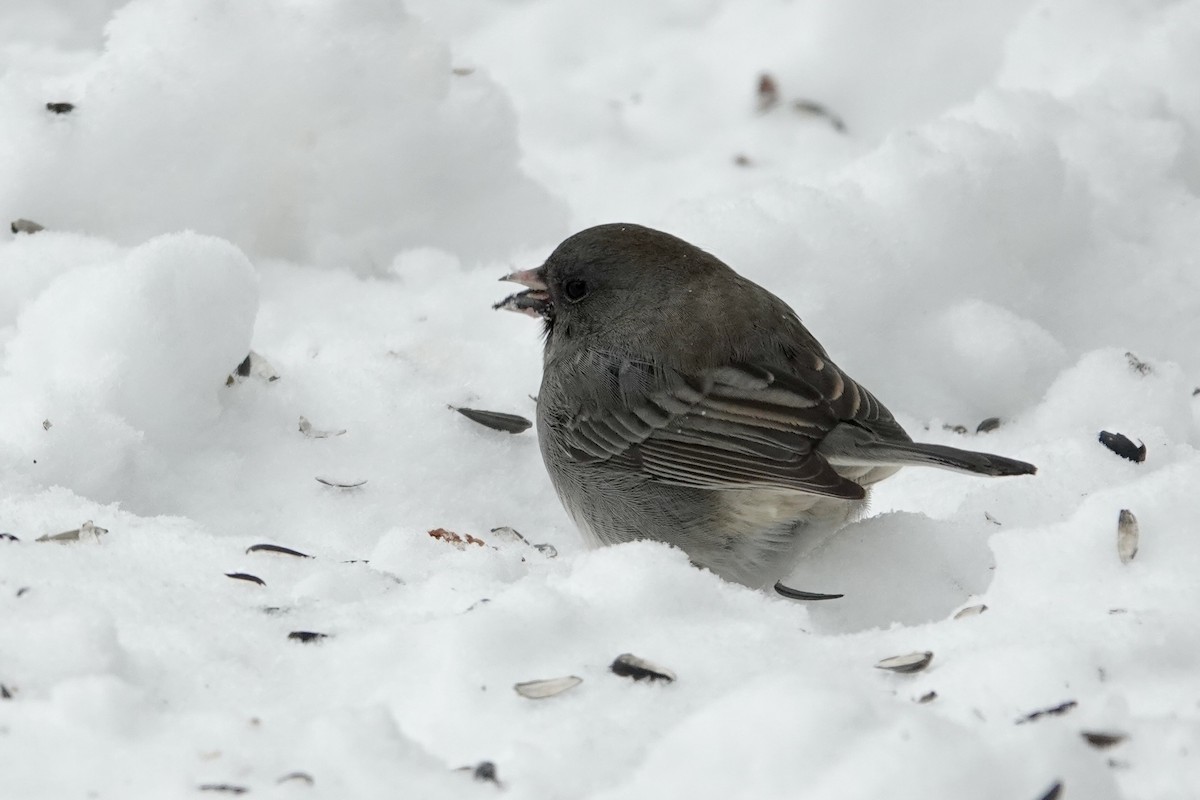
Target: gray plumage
<point x="681" y="402"/>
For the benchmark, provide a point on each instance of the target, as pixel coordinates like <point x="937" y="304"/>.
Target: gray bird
<point x="685" y="404"/>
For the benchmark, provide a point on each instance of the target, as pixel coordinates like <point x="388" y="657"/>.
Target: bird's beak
<point x="533" y="278"/>
<point x="534" y="301"/>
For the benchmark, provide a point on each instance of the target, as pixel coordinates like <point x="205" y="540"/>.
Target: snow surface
<point x="1011" y="209"/>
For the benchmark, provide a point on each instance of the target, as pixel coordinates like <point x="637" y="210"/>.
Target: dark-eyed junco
<point x="681" y="402"/>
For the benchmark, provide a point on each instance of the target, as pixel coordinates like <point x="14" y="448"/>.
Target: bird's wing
<point x="742" y="426"/>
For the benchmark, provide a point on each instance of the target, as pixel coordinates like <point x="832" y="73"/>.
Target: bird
<point x="683" y="403"/>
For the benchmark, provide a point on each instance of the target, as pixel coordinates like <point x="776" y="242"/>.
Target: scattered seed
<point x="47" y="424"/>
<point x="253" y="364"/>
<point x="5" y="692"/>
<point x="1053" y="711"/>
<point x="991" y="519"/>
<point x="483" y="601"/>
<point x="928" y="697"/>
<point x="75" y="534"/>
<point x="627" y="665"/>
<point x="496" y="420"/>
<point x="60" y="108"/>
<point x="1123" y="446"/>
<point x="955" y="428"/>
<point x="307" y="636"/>
<point x="1053" y="792"/>
<point x="274" y="611"/>
<point x="274" y="548"/>
<point x="539" y="690"/>
<point x="26" y="226"/>
<point x="1118" y="611"/>
<point x="307" y="429"/>
<point x="1127" y="536"/>
<point x="1137" y="365"/>
<point x="8" y="537"/>
<point x="223" y="787"/>
<point x="971" y="611"/>
<point x="548" y="550"/>
<point x="245" y="576"/>
<point x="463" y="71"/>
<point x="768" y="93"/>
<point x="22" y="591"/>
<point x="506" y="534"/>
<point x="988" y="425"/>
<point x="485" y="771"/>
<point x="1102" y="740"/>
<point x="742" y="160"/>
<point x="340" y="484"/>
<point x="910" y="662"/>
<point x="797" y="594"/>
<point x="816" y="109"/>
<point x="303" y="777"/>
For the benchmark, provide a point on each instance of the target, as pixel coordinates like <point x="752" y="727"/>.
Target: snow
<point x="1006" y="228"/>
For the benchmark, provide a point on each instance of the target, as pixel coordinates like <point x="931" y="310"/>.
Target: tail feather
<point x="851" y="445"/>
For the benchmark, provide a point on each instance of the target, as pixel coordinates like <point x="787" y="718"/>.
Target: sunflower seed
<point x="1101" y="739"/>
<point x="303" y="777"/>
<point x="1054" y="792"/>
<point x="797" y="594"/>
<point x="911" y="662"/>
<point x="1052" y="711"/>
<point x="496" y="420"/>
<point x="307" y="429"/>
<point x="340" y="484"/>
<point x="245" y="576"/>
<point x="627" y="665"/>
<point x="253" y="365"/>
<point x="971" y="611"/>
<point x="538" y="690"/>
<point x="274" y="548"/>
<point x="988" y="425"/>
<point x="1121" y="444"/>
<point x="25" y="226"/>
<point x="548" y="550"/>
<point x="75" y="534"/>
<point x="1127" y="536"/>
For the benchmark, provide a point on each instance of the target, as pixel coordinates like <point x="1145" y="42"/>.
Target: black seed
<point x="274" y="548"/>
<point x="243" y="369"/>
<point x="245" y="576"/>
<point x="797" y="594"/>
<point x="989" y="424"/>
<point x="498" y="421"/>
<point x="1122" y="446"/>
<point x="928" y="697"/>
<point x="60" y="108"/>
<point x="485" y="771"/>
<point x="627" y="665"/>
<point x="22" y="590"/>
<point x="297" y="776"/>
<point x="1053" y="711"/>
<point x="307" y="636"/>
<point x="1101" y="740"/>
<point x="222" y="787"/>
<point x="8" y="537"/>
<point x="1053" y="792"/>
<point x="5" y="692"/>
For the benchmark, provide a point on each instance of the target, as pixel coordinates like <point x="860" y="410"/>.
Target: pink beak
<point x="531" y="278"/>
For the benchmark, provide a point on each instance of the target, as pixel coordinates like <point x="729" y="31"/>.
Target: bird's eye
<point x="575" y="289"/>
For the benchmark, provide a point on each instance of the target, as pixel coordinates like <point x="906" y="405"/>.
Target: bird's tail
<point x="851" y="445"/>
